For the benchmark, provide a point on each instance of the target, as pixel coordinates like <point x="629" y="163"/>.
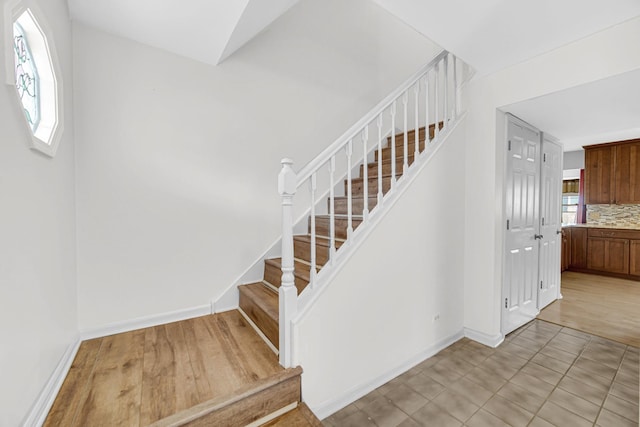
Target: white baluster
<point x="455" y="87"/>
<point x="416" y="135"/>
<point x="332" y="210"/>
<point x="312" y="270"/>
<point x="287" y="293"/>
<point x="349" y="151"/>
<point x="436" y="131"/>
<point x="393" y="147"/>
<point x="405" y="165"/>
<point x="445" y="95"/>
<point x="379" y="159"/>
<point x="365" y="174"/>
<point x="427" y="131"/>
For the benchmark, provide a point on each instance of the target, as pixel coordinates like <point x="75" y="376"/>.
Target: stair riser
<point x="357" y="187"/>
<point x="266" y="324"/>
<point x="386" y="152"/>
<point x="273" y="275"/>
<point x="302" y="250"/>
<point x="372" y="168"/>
<point x="357" y="205"/>
<point x="322" y="227"/>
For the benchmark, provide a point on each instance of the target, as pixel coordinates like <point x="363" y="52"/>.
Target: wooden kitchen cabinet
<point x="634" y="257"/>
<point x="578" y="248"/>
<point x="627" y="173"/>
<point x="612" y="173"/>
<point x="608" y="255"/>
<point x="598" y="175"/>
<point x="565" y="260"/>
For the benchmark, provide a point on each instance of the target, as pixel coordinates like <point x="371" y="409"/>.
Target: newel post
<point x="288" y="293"/>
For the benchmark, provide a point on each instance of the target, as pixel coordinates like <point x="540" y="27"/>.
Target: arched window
<point x="33" y="73"/>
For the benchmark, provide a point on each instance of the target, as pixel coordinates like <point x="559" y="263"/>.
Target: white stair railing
<point x="435" y="93"/>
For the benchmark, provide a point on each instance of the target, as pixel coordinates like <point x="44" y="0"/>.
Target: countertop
<point x="616" y="227"/>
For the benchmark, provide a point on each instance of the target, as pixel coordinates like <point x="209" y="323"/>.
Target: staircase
<point x="259" y="300"/>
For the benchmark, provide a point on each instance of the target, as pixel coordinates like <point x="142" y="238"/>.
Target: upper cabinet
<point x="612" y="173"/>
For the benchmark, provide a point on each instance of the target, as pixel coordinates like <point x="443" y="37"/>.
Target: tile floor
<point x="542" y="375"/>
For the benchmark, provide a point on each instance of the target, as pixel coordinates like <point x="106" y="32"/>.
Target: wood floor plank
<point x="604" y="306"/>
<point x="168" y="384"/>
<point x="116" y="383"/>
<point x="74" y="390"/>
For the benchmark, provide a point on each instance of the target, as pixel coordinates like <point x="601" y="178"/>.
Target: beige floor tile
<point x="630" y="380"/>
<point x="508" y="411"/>
<point x="472" y="391"/>
<point x="458" y="406"/>
<point x="407" y="399"/>
<point x="610" y="419"/>
<point x="575" y="333"/>
<point x="344" y="412"/>
<point x="575" y="404"/>
<point x="456" y="364"/>
<point x="498" y="367"/>
<point x="425" y="385"/>
<point x="595" y="368"/>
<point x="409" y="422"/>
<point x="556" y="353"/>
<point x="357" y="419"/>
<point x="518" y="350"/>
<point x="526" y="342"/>
<point x="587" y="377"/>
<point x="486" y="378"/>
<point x="545" y="374"/>
<point x="442" y="374"/>
<point x="630" y="367"/>
<point x="384" y="413"/>
<point x="621" y="407"/>
<point x="533" y="384"/>
<point x="559" y="343"/>
<point x="483" y="418"/>
<point x="561" y="417"/>
<point x="433" y="415"/>
<point x="594" y="394"/>
<point x="539" y="422"/>
<point x="522" y="397"/>
<point x="367" y="399"/>
<point x="630" y="394"/>
<point x="551" y="363"/>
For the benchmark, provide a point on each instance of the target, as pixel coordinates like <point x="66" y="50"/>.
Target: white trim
<point x="488" y="340"/>
<point x="329" y="407"/>
<point x="145" y="322"/>
<point x="259" y="332"/>
<point x="41" y="407"/>
<point x="272" y="416"/>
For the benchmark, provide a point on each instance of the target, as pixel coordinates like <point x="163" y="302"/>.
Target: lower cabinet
<point x="578" y="252"/>
<point x="565" y="260"/>
<point x="634" y="257"/>
<point x="608" y="255"/>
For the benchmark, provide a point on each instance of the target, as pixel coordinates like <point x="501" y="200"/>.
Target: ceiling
<point x="204" y="30"/>
<point x="603" y="111"/>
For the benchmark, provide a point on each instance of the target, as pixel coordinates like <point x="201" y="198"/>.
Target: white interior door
<point x="550" y="222"/>
<point x="522" y="202"/>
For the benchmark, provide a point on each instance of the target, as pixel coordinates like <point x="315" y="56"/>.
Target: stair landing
<point x="176" y="374"/>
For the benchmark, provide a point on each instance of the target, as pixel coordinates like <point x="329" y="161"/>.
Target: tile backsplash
<point x="625" y="216"/>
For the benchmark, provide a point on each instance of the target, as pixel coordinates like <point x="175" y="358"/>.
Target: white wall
<point x="37" y="239"/>
<point x="599" y="56"/>
<point x="177" y="160"/>
<point x="573" y="160"/>
<point x="378" y="313"/>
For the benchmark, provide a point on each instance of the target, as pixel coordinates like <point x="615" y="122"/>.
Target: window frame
<point x="47" y="135"/>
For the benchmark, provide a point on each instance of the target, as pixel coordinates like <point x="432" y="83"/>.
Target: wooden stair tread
<point x="264" y="297"/>
<point x="204" y="409"/>
<point x="301" y="269"/>
<point x="320" y="240"/>
<point x="299" y="417"/>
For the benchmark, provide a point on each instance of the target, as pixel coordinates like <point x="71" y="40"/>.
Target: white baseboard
<point x="145" y="322"/>
<point x="40" y="409"/>
<point x="329" y="407"/>
<point x="488" y="340"/>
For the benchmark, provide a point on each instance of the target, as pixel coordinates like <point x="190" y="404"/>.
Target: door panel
<point x="522" y="213"/>
<point x="550" y="222"/>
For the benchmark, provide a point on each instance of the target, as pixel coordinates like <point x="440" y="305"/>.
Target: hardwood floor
<point x="140" y="377"/>
<point x="603" y="306"/>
